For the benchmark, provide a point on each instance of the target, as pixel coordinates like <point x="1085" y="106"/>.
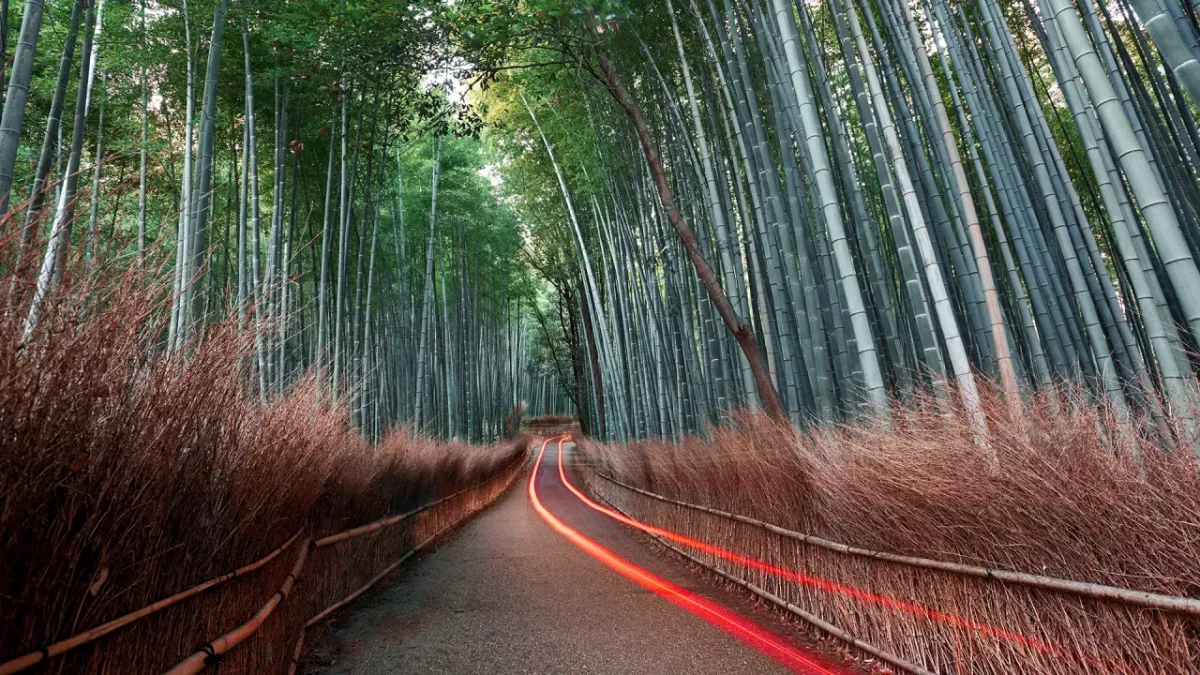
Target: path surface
<point x="509" y="594"/>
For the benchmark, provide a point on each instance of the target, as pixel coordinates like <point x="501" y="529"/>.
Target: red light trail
<point x="790" y="575"/>
<point x="735" y="625"/>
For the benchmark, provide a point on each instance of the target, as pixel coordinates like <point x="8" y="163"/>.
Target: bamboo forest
<point x="862" y="335"/>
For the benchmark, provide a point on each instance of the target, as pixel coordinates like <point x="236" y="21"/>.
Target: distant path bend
<point x="542" y="583"/>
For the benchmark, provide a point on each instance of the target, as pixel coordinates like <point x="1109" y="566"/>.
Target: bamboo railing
<point x="1157" y="601"/>
<point x="33" y="658"/>
<point x="215" y="649"/>
<point x="881" y="654"/>
<point x="212" y="651"/>
<point x="298" y="651"/>
<point x="888" y="657"/>
<point x="203" y="656"/>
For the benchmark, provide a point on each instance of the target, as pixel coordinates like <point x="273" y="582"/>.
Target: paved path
<point x="509" y="594"/>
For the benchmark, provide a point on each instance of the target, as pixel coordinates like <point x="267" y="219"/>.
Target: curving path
<point x="544" y="583"/>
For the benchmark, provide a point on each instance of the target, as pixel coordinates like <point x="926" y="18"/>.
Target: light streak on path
<point x="796" y="577"/>
<point x="736" y="625"/>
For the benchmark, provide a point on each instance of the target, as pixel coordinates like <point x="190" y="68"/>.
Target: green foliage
<point x="496" y="34"/>
<point x="477" y="228"/>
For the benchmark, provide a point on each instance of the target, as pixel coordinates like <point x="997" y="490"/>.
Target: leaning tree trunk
<point x="741" y="331"/>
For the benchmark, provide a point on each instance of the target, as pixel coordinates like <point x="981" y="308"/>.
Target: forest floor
<point x="508" y="594"/>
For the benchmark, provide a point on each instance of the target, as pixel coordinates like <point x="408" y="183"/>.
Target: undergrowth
<point x="127" y="476"/>
<point x="1047" y="496"/>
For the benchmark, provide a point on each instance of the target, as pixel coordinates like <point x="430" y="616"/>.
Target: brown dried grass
<point x="125" y="478"/>
<point x="1048" y="499"/>
<point x="549" y="425"/>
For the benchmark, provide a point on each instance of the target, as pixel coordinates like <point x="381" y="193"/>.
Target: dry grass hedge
<point x="549" y="425"/>
<point x="1052" y="501"/>
<point x="125" y="478"/>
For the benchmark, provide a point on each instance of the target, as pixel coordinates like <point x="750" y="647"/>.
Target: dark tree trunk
<point x="716" y="293"/>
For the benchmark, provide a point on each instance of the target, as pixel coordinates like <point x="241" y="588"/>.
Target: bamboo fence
<point x="438" y="516"/>
<point x="922" y="615"/>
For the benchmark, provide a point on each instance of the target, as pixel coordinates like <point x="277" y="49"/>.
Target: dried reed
<point x="126" y="477"/>
<point x="550" y="425"/>
<point x="1048" y="497"/>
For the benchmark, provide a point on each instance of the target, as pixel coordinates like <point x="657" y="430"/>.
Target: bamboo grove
<point x="891" y="199"/>
<point x="652" y="213"/>
<point x="300" y="169"/>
